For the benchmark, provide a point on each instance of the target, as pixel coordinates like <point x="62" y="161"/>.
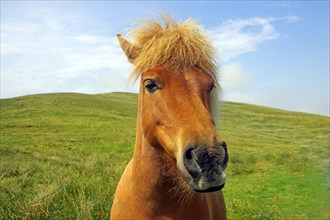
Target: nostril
<point x="225" y="159"/>
<point x="191" y="164"/>
<point x="224" y="144"/>
<point x="188" y="154"/>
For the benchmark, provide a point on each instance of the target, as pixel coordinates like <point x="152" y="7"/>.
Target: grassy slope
<point x="279" y="163"/>
<point x="61" y="156"/>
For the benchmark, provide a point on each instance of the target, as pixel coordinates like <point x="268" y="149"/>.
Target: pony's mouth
<point x="203" y="185"/>
<point x="212" y="189"/>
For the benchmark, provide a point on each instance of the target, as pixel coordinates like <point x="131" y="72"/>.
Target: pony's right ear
<point x="131" y="50"/>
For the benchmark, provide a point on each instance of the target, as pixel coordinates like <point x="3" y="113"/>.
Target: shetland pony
<point x="177" y="170"/>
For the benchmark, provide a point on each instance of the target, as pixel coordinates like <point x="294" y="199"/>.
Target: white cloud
<point x="44" y="55"/>
<point x="282" y="4"/>
<point x="90" y="39"/>
<point x="236" y="82"/>
<point x="236" y="37"/>
<point x="234" y="75"/>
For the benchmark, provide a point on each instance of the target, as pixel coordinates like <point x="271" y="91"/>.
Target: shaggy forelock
<point x="168" y="42"/>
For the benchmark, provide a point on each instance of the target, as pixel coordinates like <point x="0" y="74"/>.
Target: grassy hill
<point x="61" y="157"/>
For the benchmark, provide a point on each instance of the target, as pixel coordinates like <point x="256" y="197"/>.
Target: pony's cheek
<point x="166" y="139"/>
<point x="158" y="136"/>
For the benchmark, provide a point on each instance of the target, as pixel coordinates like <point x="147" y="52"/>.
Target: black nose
<point x="206" y="159"/>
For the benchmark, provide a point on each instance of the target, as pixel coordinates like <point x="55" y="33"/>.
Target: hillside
<point x="61" y="156"/>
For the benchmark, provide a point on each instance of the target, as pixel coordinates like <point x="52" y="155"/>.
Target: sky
<point x="270" y="53"/>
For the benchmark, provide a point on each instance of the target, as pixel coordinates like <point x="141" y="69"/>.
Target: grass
<point x="61" y="157"/>
<point x="279" y="166"/>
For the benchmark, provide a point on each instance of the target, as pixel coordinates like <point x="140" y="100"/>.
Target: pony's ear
<point x="131" y="50"/>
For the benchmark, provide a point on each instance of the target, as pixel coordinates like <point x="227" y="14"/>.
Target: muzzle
<point x="206" y="165"/>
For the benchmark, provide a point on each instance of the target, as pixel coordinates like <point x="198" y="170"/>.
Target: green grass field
<point x="61" y="157"/>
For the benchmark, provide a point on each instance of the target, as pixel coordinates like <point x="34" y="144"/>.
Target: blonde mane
<point x="168" y="42"/>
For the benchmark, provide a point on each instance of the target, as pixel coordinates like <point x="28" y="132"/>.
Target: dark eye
<point x="150" y="85"/>
<point x="210" y="88"/>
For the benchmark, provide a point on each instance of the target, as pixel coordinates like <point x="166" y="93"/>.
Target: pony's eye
<point x="210" y="88"/>
<point x="150" y="86"/>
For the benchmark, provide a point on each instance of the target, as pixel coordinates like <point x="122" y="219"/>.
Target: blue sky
<point x="273" y="53"/>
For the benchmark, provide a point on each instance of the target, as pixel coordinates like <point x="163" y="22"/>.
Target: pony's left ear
<point x="131" y="50"/>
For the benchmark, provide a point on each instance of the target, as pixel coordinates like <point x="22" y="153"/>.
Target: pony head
<point x="178" y="100"/>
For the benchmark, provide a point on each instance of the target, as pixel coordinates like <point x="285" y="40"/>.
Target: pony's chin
<point x="206" y="187"/>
